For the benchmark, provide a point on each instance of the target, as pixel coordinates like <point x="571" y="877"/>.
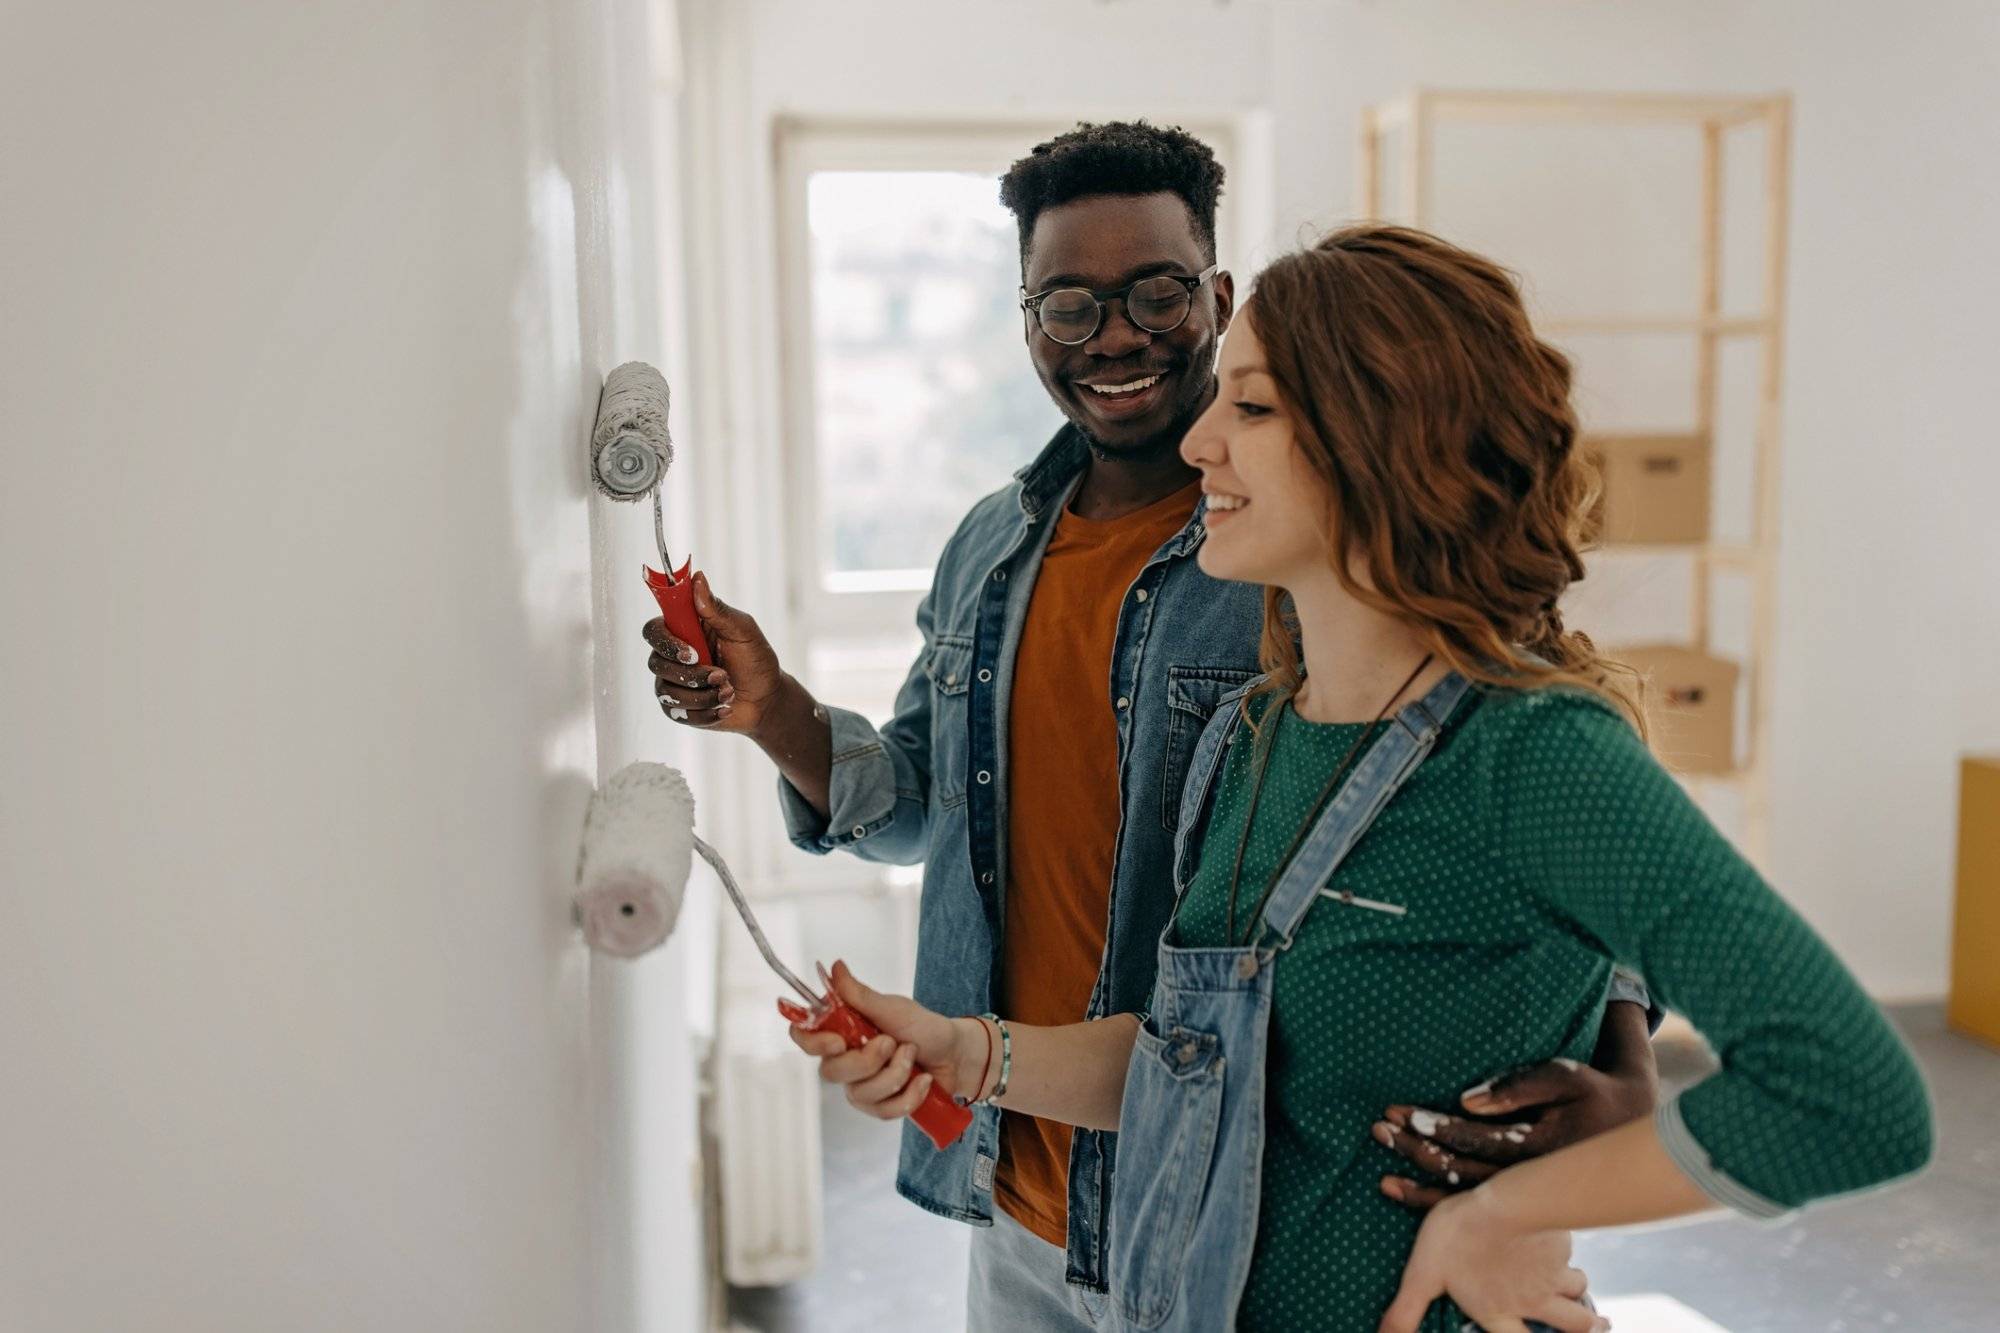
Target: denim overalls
<point x="1191" y="1131"/>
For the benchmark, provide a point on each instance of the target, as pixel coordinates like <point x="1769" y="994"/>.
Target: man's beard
<point x="1199" y="370"/>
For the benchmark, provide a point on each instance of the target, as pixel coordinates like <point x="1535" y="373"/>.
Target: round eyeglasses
<point x="1159" y="304"/>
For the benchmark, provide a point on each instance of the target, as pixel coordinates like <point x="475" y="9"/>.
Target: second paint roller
<point x="638" y="845"/>
<point x="630" y="451"/>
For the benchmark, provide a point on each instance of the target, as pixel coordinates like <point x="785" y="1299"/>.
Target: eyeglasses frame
<point x="1033" y="304"/>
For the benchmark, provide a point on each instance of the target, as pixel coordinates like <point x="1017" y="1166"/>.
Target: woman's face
<point x="1266" y="506"/>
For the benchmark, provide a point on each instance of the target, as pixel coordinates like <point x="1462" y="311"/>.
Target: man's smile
<point x="1123" y="394"/>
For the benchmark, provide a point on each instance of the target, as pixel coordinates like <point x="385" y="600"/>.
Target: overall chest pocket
<point x="949" y="667"/>
<point x="1193" y="692"/>
<point x="1166" y="1146"/>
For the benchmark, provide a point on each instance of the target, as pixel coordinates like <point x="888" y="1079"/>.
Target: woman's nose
<point x="1204" y="446"/>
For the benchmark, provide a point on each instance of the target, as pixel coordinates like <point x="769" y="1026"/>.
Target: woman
<point x="1405" y="853"/>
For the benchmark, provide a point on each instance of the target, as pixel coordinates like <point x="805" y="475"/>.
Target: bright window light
<point x="924" y="398"/>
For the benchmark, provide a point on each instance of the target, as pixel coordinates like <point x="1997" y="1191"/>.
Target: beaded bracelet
<point x="1006" y="1061"/>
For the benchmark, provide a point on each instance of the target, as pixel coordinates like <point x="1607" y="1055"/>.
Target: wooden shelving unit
<point x="1412" y="123"/>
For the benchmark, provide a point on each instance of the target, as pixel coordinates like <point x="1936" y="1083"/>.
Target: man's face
<point x="1104" y="242"/>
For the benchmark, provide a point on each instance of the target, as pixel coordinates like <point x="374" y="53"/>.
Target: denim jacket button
<point x="999" y="576"/>
<point x="860" y="832"/>
<point x="1123" y="703"/>
<point x="986" y="877"/>
<point x="1139" y="596"/>
<point x="1246" y="966"/>
<point x="984" y="777"/>
<point x="984" y="675"/>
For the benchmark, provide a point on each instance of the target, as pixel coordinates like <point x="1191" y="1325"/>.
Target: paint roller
<point x="630" y="451"/>
<point x="639" y="838"/>
<point x="632" y="871"/>
<point x="638" y="847"/>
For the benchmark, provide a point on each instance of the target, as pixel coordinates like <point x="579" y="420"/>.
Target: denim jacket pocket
<point x="949" y="667"/>
<point x="1193" y="693"/>
<point x="1166" y="1145"/>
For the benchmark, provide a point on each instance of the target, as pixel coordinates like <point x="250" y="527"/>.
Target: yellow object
<point x="1974" y="1007"/>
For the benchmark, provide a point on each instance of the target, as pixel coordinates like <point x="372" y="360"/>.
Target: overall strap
<point x="1209" y="753"/>
<point x="1367" y="792"/>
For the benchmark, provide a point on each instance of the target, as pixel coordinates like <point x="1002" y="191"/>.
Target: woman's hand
<point x="914" y="1041"/>
<point x="1499" y="1273"/>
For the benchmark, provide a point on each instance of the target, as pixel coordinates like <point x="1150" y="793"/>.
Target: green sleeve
<point x="1816" y="1096"/>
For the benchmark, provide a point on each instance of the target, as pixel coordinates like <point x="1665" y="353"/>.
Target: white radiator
<point x="766" y="1115"/>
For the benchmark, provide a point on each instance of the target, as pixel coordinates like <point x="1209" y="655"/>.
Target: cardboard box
<point x="1656" y="489"/>
<point x="1974" y="1005"/>
<point x="1692" y="698"/>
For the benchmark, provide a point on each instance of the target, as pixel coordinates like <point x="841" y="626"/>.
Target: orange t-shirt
<point x="1063" y="819"/>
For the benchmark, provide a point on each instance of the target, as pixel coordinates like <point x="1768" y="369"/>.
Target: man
<point x="1072" y="652"/>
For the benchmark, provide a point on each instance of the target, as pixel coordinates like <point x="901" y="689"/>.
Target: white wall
<point x="306" y="678"/>
<point x="1890" y="621"/>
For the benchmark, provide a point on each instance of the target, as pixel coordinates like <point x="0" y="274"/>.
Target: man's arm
<point x="797" y="736"/>
<point x="845" y="784"/>
<point x="1527" y="1113"/>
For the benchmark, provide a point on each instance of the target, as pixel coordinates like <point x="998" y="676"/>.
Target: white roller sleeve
<point x="632" y="414"/>
<point x="638" y="844"/>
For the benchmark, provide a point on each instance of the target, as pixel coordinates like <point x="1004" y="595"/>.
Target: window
<point x="922" y="397"/>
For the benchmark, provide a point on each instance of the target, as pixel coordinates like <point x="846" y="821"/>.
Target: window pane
<point x="924" y="396"/>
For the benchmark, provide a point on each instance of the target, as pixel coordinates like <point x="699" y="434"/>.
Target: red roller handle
<point x="676" y="601"/>
<point x="940" y="1118"/>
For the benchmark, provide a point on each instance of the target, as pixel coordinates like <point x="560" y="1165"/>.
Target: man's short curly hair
<point x="1117" y="157"/>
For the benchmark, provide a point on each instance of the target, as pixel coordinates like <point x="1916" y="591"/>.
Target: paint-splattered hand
<point x="1506" y="1120"/>
<point x="732" y="694"/>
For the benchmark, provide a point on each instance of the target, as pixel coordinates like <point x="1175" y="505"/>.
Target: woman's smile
<point x="1222" y="507"/>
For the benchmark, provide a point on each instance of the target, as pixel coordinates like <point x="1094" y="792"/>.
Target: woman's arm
<point x="1566" y="1190"/>
<point x="1816" y="1095"/>
<point x="1074" y="1073"/>
<point x="1467" y="1244"/>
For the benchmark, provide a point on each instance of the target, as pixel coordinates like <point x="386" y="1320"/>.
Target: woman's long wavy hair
<point x="1442" y="429"/>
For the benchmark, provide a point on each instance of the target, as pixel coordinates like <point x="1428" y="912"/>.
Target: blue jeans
<point x="1017" y="1284"/>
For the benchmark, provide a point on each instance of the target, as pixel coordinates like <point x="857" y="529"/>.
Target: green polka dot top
<point x="1537" y="845"/>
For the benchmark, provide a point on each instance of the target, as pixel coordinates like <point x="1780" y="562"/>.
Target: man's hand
<point x="1524" y="1114"/>
<point x="735" y="693"/>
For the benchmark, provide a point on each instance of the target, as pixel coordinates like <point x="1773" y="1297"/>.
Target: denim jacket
<point x="931" y="786"/>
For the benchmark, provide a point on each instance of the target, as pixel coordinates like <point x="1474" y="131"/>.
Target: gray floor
<point x="1924" y="1257"/>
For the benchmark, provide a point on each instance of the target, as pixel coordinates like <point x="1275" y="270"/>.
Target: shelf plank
<point x="1462" y="106"/>
<point x="1720" y="326"/>
<point x="1733" y="554"/>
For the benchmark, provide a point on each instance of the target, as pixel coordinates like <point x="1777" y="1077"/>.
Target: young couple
<point x="1267" y="808"/>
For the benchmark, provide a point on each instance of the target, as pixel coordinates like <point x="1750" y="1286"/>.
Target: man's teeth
<point x="1135" y="386"/>
<point x="1216" y="501"/>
